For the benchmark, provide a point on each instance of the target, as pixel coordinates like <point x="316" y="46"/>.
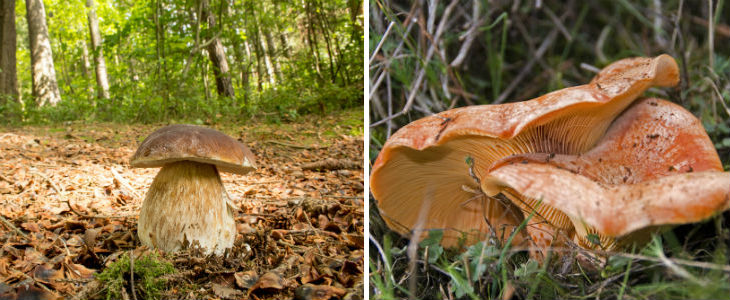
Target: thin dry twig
<point x="11" y="226"/>
<point x="422" y="73"/>
<point x="294" y="145"/>
<point x="558" y="23"/>
<point x="382" y="40"/>
<point x="6" y="179"/>
<point x="124" y="183"/>
<point x="528" y="67"/>
<point x="61" y="194"/>
<point x="332" y="164"/>
<point x="469" y="36"/>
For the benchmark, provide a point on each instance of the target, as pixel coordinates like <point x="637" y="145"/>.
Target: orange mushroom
<point x="427" y="176"/>
<point x="656" y="166"/>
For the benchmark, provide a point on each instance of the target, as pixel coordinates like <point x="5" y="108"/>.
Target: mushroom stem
<point x="187" y="205"/>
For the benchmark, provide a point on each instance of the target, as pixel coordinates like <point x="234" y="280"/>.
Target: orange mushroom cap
<point x="655" y="166"/>
<point x="421" y="178"/>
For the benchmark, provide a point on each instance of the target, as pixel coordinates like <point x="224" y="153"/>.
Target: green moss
<point x="148" y="271"/>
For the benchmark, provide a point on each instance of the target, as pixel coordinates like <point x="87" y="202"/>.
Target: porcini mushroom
<point x="656" y="166"/>
<point x="187" y="204"/>
<point x="427" y="176"/>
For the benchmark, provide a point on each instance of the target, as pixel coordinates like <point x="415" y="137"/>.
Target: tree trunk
<point x="273" y="56"/>
<point x="355" y="7"/>
<point x="324" y="29"/>
<point x="100" y="65"/>
<point x="86" y="64"/>
<point x="282" y="34"/>
<point x="267" y="60"/>
<point x="8" y="72"/>
<point x="256" y="46"/>
<point x="217" y="56"/>
<point x="312" y="39"/>
<point x="246" y="73"/>
<point x="45" y="87"/>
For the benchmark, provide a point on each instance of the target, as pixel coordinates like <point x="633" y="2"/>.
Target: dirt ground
<point x="69" y="204"/>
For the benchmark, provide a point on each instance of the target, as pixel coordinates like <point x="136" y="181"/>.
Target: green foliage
<point x="147" y="272"/>
<point x="432" y="244"/>
<point x="286" y="59"/>
<point x="527" y="269"/>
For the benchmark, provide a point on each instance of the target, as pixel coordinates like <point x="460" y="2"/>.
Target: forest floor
<point x="69" y="204"/>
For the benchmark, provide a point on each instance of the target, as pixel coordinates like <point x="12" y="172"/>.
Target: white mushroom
<point x="187" y="204"/>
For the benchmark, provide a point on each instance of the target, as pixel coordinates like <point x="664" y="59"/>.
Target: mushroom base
<point x="187" y="206"/>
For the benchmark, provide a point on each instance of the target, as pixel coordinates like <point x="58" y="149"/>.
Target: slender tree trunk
<point x="8" y="72"/>
<point x="161" y="68"/>
<point x="257" y="47"/>
<point x="217" y="56"/>
<point x="100" y="65"/>
<point x="247" y="71"/>
<point x="86" y="67"/>
<point x="45" y="86"/>
<point x="205" y="82"/>
<point x="324" y="29"/>
<point x="355" y="7"/>
<point x="86" y="64"/>
<point x="269" y="66"/>
<point x="312" y="39"/>
<point x="282" y="34"/>
<point x="273" y="56"/>
<point x="65" y="70"/>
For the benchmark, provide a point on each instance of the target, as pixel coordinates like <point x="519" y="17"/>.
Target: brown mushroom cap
<point x="189" y="142"/>
<point x="424" y="163"/>
<point x="655" y="166"/>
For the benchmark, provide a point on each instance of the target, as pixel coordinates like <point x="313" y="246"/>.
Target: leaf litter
<point x="69" y="205"/>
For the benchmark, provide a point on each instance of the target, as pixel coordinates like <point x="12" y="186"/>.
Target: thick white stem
<point x="186" y="206"/>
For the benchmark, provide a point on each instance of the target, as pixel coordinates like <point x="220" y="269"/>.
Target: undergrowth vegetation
<point x="277" y="105"/>
<point x="430" y="56"/>
<point x="148" y="271"/>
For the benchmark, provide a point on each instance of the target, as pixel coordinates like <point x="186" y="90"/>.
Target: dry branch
<point x="11" y="226"/>
<point x="293" y="145"/>
<point x="332" y="164"/>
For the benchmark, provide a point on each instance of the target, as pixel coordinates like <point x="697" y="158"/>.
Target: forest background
<point x="195" y="60"/>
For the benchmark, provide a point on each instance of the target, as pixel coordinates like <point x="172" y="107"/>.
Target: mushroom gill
<point x="656" y="166"/>
<point x="428" y="173"/>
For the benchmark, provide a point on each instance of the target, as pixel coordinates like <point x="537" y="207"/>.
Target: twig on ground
<point x="293" y="145"/>
<point x="332" y="164"/>
<point x="124" y="183"/>
<point x="61" y="194"/>
<point x="11" y="226"/>
<point x="6" y="179"/>
<point x="88" y="290"/>
<point x="43" y="286"/>
<point x="342" y="197"/>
